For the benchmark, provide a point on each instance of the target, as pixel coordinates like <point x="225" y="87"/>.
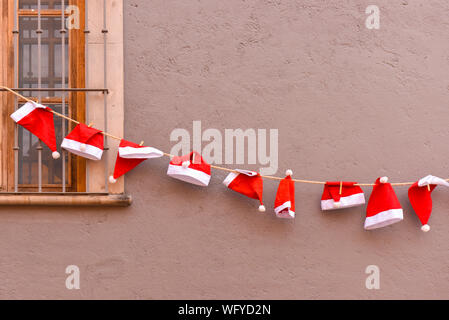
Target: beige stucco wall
<point x="350" y="103"/>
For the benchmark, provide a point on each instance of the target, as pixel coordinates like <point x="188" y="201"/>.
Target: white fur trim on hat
<point x="139" y="153"/>
<point x="229" y="178"/>
<point x="232" y="175"/>
<point x="345" y="202"/>
<point x="190" y="175"/>
<point x="247" y="172"/>
<point x="25" y="110"/>
<point x="73" y="146"/>
<point x="432" y="180"/>
<point x="282" y="213"/>
<point x="384" y="218"/>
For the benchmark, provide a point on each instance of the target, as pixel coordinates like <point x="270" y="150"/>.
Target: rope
<point x="212" y="166"/>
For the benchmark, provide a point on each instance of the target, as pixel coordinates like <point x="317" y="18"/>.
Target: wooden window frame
<point x="76" y="75"/>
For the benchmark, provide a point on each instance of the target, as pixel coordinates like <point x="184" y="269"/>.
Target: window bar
<point x="39" y="85"/>
<point x="30" y="136"/>
<point x="63" y="32"/>
<point x="105" y="108"/>
<point x="21" y="133"/>
<point x="16" y="83"/>
<point x="86" y="62"/>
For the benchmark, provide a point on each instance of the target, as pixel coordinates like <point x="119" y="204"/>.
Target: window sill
<point x="65" y="199"/>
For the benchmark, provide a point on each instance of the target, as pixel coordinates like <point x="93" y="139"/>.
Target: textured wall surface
<point x="350" y="103"/>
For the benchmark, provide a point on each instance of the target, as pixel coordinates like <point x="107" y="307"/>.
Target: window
<point x="46" y="71"/>
<point x="54" y="64"/>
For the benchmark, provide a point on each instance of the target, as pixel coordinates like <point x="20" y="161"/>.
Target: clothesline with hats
<point x="383" y="206"/>
<point x="212" y="166"/>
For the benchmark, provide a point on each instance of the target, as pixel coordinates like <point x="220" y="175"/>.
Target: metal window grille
<point x="28" y="79"/>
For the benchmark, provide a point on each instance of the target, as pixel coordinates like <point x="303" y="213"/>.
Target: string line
<point x="212" y="166"/>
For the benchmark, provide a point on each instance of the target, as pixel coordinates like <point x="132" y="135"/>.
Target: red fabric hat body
<point x="122" y="166"/>
<point x="130" y="155"/>
<point x="85" y="141"/>
<point x="38" y="120"/>
<point x="190" y="168"/>
<point x="383" y="207"/>
<point x="351" y="195"/>
<point x="248" y="183"/>
<point x="421" y="201"/>
<point x="284" y="204"/>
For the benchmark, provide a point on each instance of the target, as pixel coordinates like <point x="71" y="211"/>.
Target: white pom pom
<point x="185" y="164"/>
<point x="337" y="204"/>
<point x="384" y="180"/>
<point x="262" y="208"/>
<point x="425" y="228"/>
<point x="83" y="147"/>
<point x="112" y="180"/>
<point x="55" y="155"/>
<point x="288" y="172"/>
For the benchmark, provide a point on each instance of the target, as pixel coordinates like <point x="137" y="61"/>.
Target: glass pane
<point x="51" y="55"/>
<point x="51" y="77"/>
<point x="28" y="156"/>
<point x="45" y="4"/>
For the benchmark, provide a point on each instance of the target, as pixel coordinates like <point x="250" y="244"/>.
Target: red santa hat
<point x="420" y="198"/>
<point x="248" y="183"/>
<point x="383" y="206"/>
<point x="130" y="155"/>
<point x="190" y="168"/>
<point x="284" y="204"/>
<point x="85" y="141"/>
<point x="341" y="194"/>
<point x="38" y="119"/>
